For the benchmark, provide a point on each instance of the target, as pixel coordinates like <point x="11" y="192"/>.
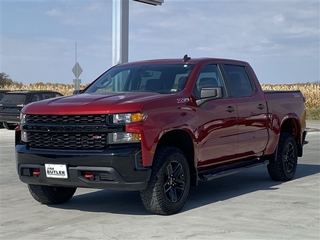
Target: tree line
<point x="6" y="80"/>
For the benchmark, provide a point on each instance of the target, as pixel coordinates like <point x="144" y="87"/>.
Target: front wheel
<point x="169" y="184"/>
<point x="51" y="195"/>
<point x="283" y="166"/>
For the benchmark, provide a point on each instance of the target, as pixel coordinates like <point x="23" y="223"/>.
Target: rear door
<point x="251" y="110"/>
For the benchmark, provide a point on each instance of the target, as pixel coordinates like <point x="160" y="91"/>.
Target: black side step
<point x="211" y="176"/>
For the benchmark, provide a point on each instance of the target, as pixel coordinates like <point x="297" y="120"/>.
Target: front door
<point x="217" y="121"/>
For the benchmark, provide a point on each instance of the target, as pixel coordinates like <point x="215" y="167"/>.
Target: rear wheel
<point x="9" y="126"/>
<point x="169" y="184"/>
<point x="284" y="164"/>
<point x="51" y="195"/>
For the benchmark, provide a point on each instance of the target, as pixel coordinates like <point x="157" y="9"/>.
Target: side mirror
<point x="212" y="92"/>
<point x="77" y="92"/>
<point x="207" y="94"/>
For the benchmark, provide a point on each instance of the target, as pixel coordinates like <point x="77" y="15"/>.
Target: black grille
<point x="67" y="119"/>
<point x="69" y="132"/>
<point x="67" y="141"/>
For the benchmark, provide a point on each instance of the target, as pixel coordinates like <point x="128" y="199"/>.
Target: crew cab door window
<point x="239" y="80"/>
<point x="209" y="77"/>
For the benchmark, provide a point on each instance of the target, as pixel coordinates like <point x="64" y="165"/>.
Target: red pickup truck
<point x="159" y="127"/>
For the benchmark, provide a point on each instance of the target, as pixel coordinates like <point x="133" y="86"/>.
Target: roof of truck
<point x="182" y="60"/>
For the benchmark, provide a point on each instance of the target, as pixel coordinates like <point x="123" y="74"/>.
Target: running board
<point x="211" y="176"/>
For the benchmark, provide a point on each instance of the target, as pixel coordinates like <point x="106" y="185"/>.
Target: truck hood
<point x="93" y="103"/>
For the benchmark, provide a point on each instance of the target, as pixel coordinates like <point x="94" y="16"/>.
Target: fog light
<point x="24" y="136"/>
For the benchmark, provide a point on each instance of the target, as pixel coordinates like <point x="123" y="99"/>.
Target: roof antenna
<point x="186" y="58"/>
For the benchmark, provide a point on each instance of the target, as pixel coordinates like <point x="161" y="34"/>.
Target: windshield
<point x="161" y="78"/>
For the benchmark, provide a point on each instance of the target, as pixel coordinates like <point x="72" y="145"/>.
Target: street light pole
<point x="120" y="31"/>
<point x="120" y="28"/>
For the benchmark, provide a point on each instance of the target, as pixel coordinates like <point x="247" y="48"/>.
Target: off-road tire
<point x="51" y="195"/>
<point x="169" y="184"/>
<point x="9" y="126"/>
<point x="283" y="165"/>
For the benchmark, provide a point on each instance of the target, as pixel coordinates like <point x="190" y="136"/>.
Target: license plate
<point x="56" y="171"/>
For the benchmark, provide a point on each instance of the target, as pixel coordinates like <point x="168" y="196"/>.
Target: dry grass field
<point x="65" y="89"/>
<point x="311" y="91"/>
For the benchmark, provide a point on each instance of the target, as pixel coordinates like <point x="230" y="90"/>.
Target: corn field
<point x="65" y="89"/>
<point x="311" y="91"/>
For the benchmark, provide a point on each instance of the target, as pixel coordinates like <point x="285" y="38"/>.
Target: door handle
<point x="260" y="106"/>
<point x="230" y="109"/>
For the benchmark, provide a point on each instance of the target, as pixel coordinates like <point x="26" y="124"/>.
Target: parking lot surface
<point x="248" y="205"/>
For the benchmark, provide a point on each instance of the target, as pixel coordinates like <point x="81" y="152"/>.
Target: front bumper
<point x="118" y="168"/>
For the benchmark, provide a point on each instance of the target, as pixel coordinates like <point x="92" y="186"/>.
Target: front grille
<point x="67" y="119"/>
<point x="69" y="132"/>
<point x="67" y="141"/>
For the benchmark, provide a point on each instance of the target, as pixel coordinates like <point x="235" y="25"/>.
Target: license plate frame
<point x="56" y="170"/>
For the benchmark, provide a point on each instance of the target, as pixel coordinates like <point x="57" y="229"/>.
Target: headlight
<point x="123" y="137"/>
<point x="24" y="135"/>
<point x="124" y="118"/>
<point x="22" y="118"/>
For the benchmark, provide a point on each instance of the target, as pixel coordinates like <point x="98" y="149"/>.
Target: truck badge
<point x="182" y="100"/>
<point x="96" y="137"/>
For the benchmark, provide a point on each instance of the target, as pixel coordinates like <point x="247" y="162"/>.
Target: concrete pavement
<point x="313" y="124"/>
<point x="248" y="205"/>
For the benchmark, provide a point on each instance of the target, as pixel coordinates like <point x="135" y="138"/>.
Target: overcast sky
<point x="280" y="38"/>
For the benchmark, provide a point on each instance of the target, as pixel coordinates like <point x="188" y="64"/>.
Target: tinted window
<point x="14" y="98"/>
<point x="47" y="95"/>
<point x="36" y="97"/>
<point x="56" y="94"/>
<point x="239" y="80"/>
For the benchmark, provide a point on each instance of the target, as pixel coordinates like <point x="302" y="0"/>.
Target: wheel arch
<point x="292" y="126"/>
<point x="182" y="140"/>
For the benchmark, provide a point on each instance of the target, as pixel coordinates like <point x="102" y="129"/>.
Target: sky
<point x="279" y="38"/>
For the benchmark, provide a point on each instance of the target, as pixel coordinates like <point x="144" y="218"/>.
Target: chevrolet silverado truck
<point x="159" y="127"/>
